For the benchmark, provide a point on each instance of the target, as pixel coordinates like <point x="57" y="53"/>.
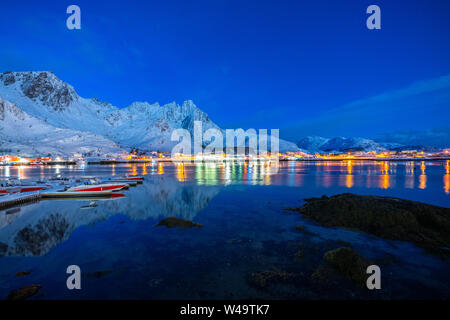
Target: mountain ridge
<point x="142" y="125"/>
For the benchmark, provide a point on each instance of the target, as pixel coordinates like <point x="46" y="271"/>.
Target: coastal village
<point x="136" y="157"/>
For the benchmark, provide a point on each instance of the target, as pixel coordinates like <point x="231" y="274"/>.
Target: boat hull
<point x="98" y="187"/>
<point x="76" y="194"/>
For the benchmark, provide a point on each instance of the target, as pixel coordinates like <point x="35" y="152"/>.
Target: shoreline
<point x="231" y="160"/>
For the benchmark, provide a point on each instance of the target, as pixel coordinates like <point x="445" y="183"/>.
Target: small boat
<point x="20" y="189"/>
<point x="81" y="196"/>
<point x="137" y="179"/>
<point x="98" y="187"/>
<point x="91" y="205"/>
<point x="76" y="194"/>
<point x="127" y="182"/>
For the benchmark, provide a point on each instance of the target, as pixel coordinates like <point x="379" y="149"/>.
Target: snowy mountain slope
<point x="339" y="144"/>
<point x="351" y="144"/>
<point x="32" y="136"/>
<point x="312" y="143"/>
<point x="141" y="125"/>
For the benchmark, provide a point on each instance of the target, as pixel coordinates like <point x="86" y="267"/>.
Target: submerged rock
<point x="322" y="274"/>
<point x="3" y="249"/>
<point x="425" y="225"/>
<point x="304" y="230"/>
<point x="299" y="255"/>
<point x="173" y="222"/>
<point x="22" y="273"/>
<point x="24" y="292"/>
<point x="100" y="274"/>
<point x="348" y="263"/>
<point x="268" y="277"/>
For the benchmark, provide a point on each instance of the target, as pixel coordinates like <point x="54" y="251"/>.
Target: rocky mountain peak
<point x="42" y="86"/>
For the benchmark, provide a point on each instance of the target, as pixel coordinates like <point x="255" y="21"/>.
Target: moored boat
<point x="78" y="194"/>
<point x="20" y="189"/>
<point x="136" y="179"/>
<point x="98" y="187"/>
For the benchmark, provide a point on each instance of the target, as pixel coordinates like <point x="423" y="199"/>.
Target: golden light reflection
<point x="384" y="178"/>
<point x="144" y="169"/>
<point x="134" y="170"/>
<point x="180" y="172"/>
<point x="423" y="176"/>
<point x="349" y="181"/>
<point x="160" y="168"/>
<point x="447" y="177"/>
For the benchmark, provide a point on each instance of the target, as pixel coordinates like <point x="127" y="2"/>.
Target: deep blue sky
<point x="261" y="64"/>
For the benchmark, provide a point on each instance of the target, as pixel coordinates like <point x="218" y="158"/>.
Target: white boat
<point x="79" y="194"/>
<point x="97" y="187"/>
<point x="17" y="186"/>
<point x="137" y="179"/>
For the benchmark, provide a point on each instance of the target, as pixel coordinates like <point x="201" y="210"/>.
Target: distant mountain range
<point x="314" y="144"/>
<point x="41" y="114"/>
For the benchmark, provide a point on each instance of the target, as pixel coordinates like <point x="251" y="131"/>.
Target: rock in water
<point x="425" y="225"/>
<point x="270" y="277"/>
<point x="173" y="222"/>
<point x="3" y="249"/>
<point x="349" y="263"/>
<point x="24" y="292"/>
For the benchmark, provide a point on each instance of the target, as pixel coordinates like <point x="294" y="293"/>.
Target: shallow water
<point x="124" y="255"/>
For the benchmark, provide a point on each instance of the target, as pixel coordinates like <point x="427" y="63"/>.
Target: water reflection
<point x="447" y="177"/>
<point x="35" y="229"/>
<point x="423" y="176"/>
<point x="328" y="174"/>
<point x="409" y="175"/>
<point x="349" y="182"/>
<point x="182" y="189"/>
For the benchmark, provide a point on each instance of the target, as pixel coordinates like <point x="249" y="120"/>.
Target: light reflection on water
<point x="236" y="203"/>
<point x="326" y="174"/>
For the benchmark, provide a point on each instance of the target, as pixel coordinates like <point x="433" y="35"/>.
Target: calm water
<point x="124" y="255"/>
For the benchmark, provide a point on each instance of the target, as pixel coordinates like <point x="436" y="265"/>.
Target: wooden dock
<point x="18" y="199"/>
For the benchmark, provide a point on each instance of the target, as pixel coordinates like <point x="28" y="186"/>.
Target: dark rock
<point x="9" y="79"/>
<point x="3" y="248"/>
<point x="344" y="243"/>
<point x="173" y="222"/>
<point x="23" y="273"/>
<point x="24" y="292"/>
<point x="348" y="263"/>
<point x="269" y="277"/>
<point x="322" y="274"/>
<point x="304" y="230"/>
<point x="425" y="225"/>
<point x="299" y="255"/>
<point x="99" y="274"/>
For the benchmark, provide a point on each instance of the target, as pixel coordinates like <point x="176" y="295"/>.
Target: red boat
<point x="16" y="189"/>
<point x="98" y="187"/>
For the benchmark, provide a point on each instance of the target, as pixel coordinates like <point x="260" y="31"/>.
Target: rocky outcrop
<point x="173" y="222"/>
<point x="348" y="263"/>
<point x="24" y="292"/>
<point x="425" y="225"/>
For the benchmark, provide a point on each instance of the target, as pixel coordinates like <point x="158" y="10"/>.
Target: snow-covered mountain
<point x="23" y="134"/>
<point x="340" y="144"/>
<point x="53" y="104"/>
